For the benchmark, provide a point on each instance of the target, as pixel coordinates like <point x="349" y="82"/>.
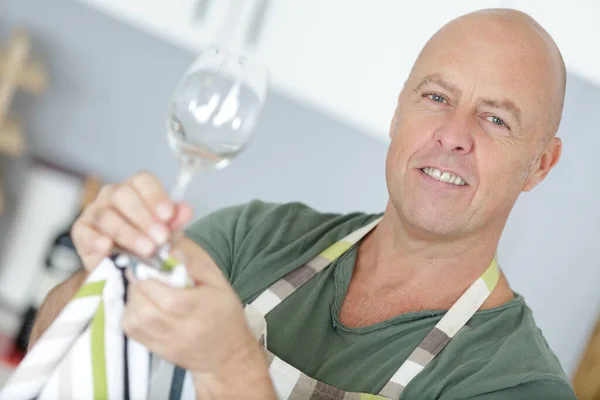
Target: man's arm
<point x="55" y="301"/>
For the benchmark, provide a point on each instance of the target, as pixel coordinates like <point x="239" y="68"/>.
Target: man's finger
<point x="92" y="246"/>
<point x="175" y="302"/>
<point x="112" y="224"/>
<point x="104" y="194"/>
<point x="143" y="320"/>
<point x="183" y="216"/>
<point x="128" y="203"/>
<point x="154" y="195"/>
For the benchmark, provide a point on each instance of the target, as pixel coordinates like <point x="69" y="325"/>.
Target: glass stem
<point x="184" y="176"/>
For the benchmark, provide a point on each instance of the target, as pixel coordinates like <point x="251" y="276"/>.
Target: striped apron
<point x="129" y="371"/>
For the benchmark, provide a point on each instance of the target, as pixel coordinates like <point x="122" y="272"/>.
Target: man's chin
<point x="435" y="224"/>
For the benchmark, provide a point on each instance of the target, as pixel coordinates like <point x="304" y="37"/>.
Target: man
<point x="474" y="127"/>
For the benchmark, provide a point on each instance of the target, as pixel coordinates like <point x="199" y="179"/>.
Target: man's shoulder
<point x="257" y="242"/>
<point x="509" y="354"/>
<point x="267" y="218"/>
<point x="522" y="341"/>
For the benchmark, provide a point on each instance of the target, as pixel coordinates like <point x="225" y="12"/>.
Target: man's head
<point x="483" y="102"/>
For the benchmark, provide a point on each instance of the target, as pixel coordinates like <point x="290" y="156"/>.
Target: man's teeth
<point x="444" y="176"/>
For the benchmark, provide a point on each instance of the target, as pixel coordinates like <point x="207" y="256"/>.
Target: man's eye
<point x="438" y="98"/>
<point x="497" y="121"/>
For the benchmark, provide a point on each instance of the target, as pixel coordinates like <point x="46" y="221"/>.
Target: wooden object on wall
<point x="586" y="381"/>
<point x="17" y="71"/>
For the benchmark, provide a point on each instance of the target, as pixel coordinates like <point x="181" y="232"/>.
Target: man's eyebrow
<point x="438" y="80"/>
<point x="505" y="104"/>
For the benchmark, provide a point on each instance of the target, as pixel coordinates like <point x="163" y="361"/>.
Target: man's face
<point x="473" y="111"/>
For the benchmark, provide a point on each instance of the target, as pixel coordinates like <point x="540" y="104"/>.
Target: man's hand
<point x="136" y="215"/>
<point x="201" y="329"/>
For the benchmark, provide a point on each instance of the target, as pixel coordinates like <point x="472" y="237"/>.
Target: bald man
<point x="408" y="303"/>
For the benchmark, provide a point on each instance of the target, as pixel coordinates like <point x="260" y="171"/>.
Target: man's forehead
<point x="479" y="76"/>
<point x="467" y="54"/>
<point x="502" y="34"/>
<point x="439" y="80"/>
<point x="502" y="51"/>
<point x="501" y="42"/>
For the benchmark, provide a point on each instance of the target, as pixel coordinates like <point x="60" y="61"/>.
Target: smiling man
<point x="409" y="303"/>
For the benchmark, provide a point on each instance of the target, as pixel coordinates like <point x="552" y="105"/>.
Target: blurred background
<point x="85" y="87"/>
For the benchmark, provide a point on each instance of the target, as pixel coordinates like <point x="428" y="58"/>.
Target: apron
<point x="290" y="383"/>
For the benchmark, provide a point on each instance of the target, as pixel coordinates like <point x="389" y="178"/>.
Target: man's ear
<point x="546" y="162"/>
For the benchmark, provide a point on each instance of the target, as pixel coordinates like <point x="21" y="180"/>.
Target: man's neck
<point x="398" y="271"/>
<point x="399" y="253"/>
<point x="422" y="272"/>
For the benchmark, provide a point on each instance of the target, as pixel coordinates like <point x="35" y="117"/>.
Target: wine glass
<point x="213" y="112"/>
<point x="212" y="115"/>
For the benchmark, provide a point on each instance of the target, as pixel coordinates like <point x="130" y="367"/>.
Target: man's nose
<point x="455" y="136"/>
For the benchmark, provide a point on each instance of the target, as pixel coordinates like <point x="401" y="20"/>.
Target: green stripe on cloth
<point x="98" y="355"/>
<point x="491" y="276"/>
<point x="169" y="264"/>
<point x="90" y="289"/>
<point x="335" y="250"/>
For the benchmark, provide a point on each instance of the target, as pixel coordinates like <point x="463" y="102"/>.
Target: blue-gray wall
<point x="106" y="109"/>
<point x="105" y="113"/>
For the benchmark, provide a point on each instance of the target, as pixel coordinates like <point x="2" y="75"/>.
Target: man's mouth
<point x="444" y="176"/>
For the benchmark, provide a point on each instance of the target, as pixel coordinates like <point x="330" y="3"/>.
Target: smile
<point x="444" y="176"/>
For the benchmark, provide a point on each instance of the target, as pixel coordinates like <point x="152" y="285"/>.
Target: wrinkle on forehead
<point x="530" y="54"/>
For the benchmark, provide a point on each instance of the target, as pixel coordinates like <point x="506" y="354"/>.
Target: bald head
<point x="482" y="102"/>
<point x="514" y="40"/>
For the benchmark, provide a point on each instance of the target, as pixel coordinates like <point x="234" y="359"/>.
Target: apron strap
<point x="280" y="290"/>
<point x="454" y="319"/>
<point x="458" y="315"/>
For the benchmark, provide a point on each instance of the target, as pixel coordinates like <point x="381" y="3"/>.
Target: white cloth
<point x="82" y="354"/>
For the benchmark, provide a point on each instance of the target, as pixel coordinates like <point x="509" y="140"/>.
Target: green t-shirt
<point x="499" y="354"/>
